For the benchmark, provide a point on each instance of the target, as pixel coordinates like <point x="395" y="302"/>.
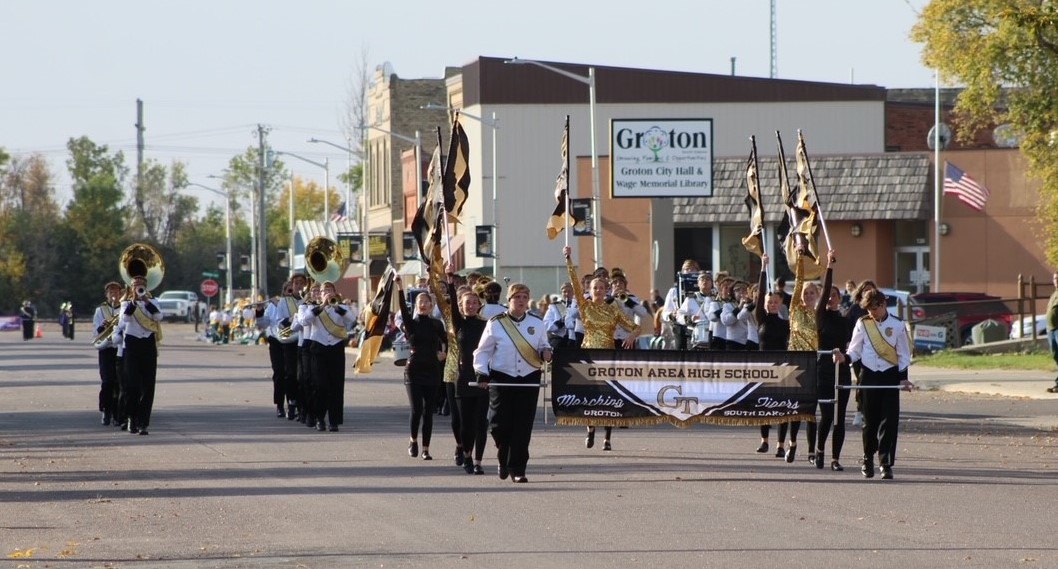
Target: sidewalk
<point x="1006" y="383"/>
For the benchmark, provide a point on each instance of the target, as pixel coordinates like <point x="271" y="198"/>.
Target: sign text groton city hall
<point x="661" y="158"/>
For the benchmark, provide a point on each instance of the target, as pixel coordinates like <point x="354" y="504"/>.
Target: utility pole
<point x="262" y="234"/>
<point x="139" y="150"/>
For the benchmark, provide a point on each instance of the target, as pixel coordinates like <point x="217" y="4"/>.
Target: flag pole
<point x="936" y="182"/>
<point x="569" y="212"/>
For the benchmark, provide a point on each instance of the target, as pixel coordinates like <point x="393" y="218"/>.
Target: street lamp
<point x="495" y="126"/>
<point x="348" y="165"/>
<point x="227" y="237"/>
<point x="596" y="202"/>
<point x="326" y="165"/>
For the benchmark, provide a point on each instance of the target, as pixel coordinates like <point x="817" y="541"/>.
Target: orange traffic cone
<point x="39" y="333"/>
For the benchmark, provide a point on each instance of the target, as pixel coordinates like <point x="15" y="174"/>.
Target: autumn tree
<point x="29" y="243"/>
<point x="1005" y="54"/>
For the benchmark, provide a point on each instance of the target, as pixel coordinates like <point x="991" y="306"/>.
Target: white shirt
<point x="700" y="305"/>
<point x="490" y="310"/>
<point x="736" y="322"/>
<point x="496" y="350"/>
<point x="132" y="326"/>
<point x="893" y="332"/>
<point x="274" y="315"/>
<point x="319" y="332"/>
<point x="638" y="314"/>
<point x="103" y="313"/>
<point x="564" y="313"/>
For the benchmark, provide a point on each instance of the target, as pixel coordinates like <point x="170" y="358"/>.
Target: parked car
<point x="181" y="305"/>
<point x="895" y="301"/>
<point x="1023" y="328"/>
<point x="969" y="308"/>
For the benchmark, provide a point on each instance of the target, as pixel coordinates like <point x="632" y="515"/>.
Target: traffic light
<point x="244" y="263"/>
<point x="222" y="261"/>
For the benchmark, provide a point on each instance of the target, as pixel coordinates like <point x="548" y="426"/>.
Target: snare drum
<point x="401" y="352"/>
<point x="700" y="337"/>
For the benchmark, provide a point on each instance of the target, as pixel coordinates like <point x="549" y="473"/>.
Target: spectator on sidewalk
<point x="1052" y="327"/>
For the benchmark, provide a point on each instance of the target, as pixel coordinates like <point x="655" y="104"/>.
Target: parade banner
<point x="647" y="387"/>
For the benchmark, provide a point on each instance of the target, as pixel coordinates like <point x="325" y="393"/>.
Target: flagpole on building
<point x="936" y="183"/>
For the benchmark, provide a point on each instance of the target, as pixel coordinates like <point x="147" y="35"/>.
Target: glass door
<point x="912" y="269"/>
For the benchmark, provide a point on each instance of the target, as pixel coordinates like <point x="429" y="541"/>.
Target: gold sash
<point x="524" y="349"/>
<point x="332" y="327"/>
<point x="148" y="324"/>
<point x="292" y="307"/>
<point x="108" y="311"/>
<point x="884" y="349"/>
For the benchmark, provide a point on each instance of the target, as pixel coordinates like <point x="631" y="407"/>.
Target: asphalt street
<point x="221" y="482"/>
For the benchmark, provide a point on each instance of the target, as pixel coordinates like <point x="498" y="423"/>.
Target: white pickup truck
<point x="181" y="305"/>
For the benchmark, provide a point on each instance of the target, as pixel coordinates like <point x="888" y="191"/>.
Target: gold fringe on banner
<point x="707" y="419"/>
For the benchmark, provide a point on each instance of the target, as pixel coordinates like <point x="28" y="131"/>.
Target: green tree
<point x="32" y="248"/>
<point x="1005" y="53"/>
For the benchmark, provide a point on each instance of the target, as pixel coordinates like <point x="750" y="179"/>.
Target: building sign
<point x="483" y="241"/>
<point x="409" y="248"/>
<point x="378" y="245"/>
<point x="661" y="158"/>
<point x="930" y="338"/>
<point x="351" y="247"/>
<point x="580" y="208"/>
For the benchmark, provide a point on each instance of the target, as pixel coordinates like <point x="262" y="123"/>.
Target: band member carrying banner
<point x="512" y="352"/>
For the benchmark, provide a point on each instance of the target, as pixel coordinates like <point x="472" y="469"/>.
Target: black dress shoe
<point x="811" y="456"/>
<point x="819" y="460"/>
<point x="867" y="468"/>
<point x="589" y="441"/>
<point x="333" y="428"/>
<point x="143" y="431"/>
<point x="133" y="428"/>
<point x="478" y="469"/>
<point x="606" y="445"/>
<point x="779" y="452"/>
<point x="503" y="472"/>
<point x="320" y="426"/>
<point x="413" y="449"/>
<point x="520" y="480"/>
<point x="887" y="473"/>
<point x="836" y="466"/>
<point x="106" y="419"/>
<point x="280" y="412"/>
<point x="426" y="455"/>
<point x="791" y="454"/>
<point x="763" y="448"/>
<point x="468" y="466"/>
<point x="459" y="458"/>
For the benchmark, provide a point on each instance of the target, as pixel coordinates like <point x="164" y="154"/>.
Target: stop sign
<point x="209" y="288"/>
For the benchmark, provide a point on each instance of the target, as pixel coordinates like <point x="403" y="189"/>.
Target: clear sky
<point x="209" y="71"/>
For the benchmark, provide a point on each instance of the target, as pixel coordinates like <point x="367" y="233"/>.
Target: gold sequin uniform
<point x="600" y="320"/>
<point x="804" y="337"/>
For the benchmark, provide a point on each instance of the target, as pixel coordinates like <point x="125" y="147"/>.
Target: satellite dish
<point x="1006" y="136"/>
<point x="945" y="136"/>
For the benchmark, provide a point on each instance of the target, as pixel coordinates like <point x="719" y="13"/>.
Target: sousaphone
<point x="137" y="260"/>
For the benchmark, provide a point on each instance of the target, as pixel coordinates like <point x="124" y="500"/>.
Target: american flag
<point x="971" y="193"/>
<point x="340" y="213"/>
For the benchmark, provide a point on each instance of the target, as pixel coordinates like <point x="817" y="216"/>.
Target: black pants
<point x="141" y="371"/>
<point x="423" y="398"/>
<point x="474" y="422"/>
<point x="120" y="415"/>
<point x="328" y="371"/>
<point x="27" y="329"/>
<point x="453" y="408"/>
<point x="275" y="358"/>
<point x="290" y="373"/>
<point x="109" y="389"/>
<point x="513" y="412"/>
<point x="306" y="385"/>
<point x="881" y="414"/>
<point x="679" y="331"/>
<point x="783" y="427"/>
<point x="827" y="418"/>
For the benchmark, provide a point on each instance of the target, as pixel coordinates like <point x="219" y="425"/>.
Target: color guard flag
<point x="376" y="319"/>
<point x="558" y="220"/>
<point x="957" y="183"/>
<point x="457" y="172"/>
<point x="754" y="242"/>
<point x="425" y="224"/>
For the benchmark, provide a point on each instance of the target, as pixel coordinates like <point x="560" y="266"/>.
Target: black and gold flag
<point x="457" y="173"/>
<point x="376" y="318"/>
<point x="754" y="242"/>
<point x="560" y="217"/>
<point x="425" y="226"/>
<point x="801" y="213"/>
